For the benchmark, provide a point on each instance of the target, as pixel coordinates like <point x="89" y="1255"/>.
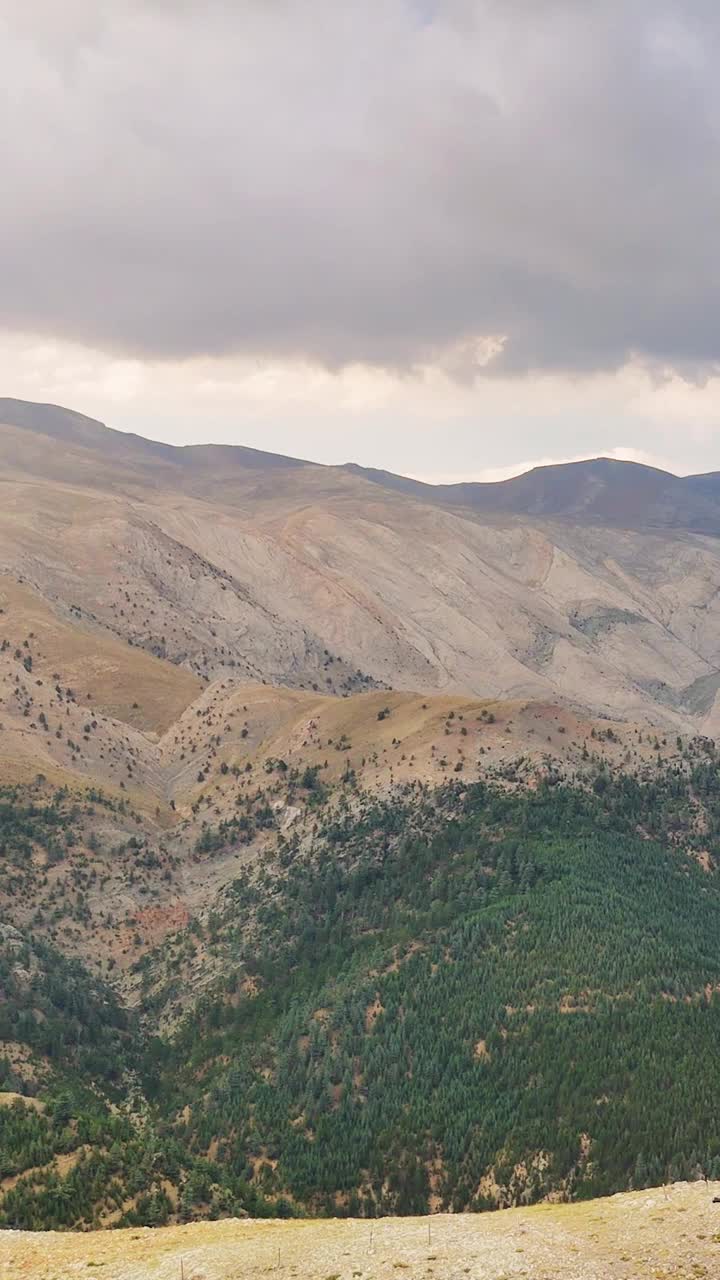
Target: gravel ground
<point x="667" y="1234"/>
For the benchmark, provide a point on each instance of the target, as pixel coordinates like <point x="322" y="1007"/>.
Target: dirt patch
<point x="8" y="1099"/>
<point x="372" y="1013"/>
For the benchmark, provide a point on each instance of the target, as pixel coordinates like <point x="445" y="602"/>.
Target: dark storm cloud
<point x="364" y="180"/>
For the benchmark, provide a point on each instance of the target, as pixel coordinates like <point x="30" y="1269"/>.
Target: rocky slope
<point x="598" y="586"/>
<point x="166" y="754"/>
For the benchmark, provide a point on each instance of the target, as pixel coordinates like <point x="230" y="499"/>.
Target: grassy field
<point x="667" y="1234"/>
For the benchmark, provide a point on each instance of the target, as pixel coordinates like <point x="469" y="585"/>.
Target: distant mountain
<point x="596" y="583"/>
<point x="708" y="485"/>
<point x="600" y="490"/>
<point x="78" y="430"/>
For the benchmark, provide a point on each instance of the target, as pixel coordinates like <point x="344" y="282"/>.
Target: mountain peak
<point x="599" y="490"/>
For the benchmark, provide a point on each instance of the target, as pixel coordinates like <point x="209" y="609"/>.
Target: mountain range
<point x="594" y="584"/>
<point x="359" y="838"/>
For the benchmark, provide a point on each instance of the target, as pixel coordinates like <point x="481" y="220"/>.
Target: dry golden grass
<point x="384" y="738"/>
<point x="122" y="681"/>
<point x="667" y="1234"/>
<point x="8" y="1099"/>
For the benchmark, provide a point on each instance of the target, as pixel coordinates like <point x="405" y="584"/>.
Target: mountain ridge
<point x="599" y="489"/>
<point x="302" y="575"/>
<point x="596" y="488"/>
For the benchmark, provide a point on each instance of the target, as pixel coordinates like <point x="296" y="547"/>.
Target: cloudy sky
<point x="448" y="237"/>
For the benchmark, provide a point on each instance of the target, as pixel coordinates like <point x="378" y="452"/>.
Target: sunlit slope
<point x="663" y="1234"/>
<point x="79" y="702"/>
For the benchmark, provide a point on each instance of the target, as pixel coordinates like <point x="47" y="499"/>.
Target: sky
<point x="452" y="238"/>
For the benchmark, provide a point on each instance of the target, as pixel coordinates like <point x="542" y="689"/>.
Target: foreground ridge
<point x="669" y="1233"/>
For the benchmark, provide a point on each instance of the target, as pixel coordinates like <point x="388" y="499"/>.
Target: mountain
<point x="453" y="998"/>
<point x="594" y="584"/>
<point x="359" y="841"/>
<point x="75" y="429"/>
<point x="601" y="491"/>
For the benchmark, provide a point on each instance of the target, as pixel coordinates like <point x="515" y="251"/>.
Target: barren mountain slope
<point x="80" y="705"/>
<point x="173" y="757"/>
<point x="229" y="561"/>
<point x="604" y="491"/>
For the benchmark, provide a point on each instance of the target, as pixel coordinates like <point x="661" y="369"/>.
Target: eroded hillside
<point x="232" y="562"/>
<point x="152" y="760"/>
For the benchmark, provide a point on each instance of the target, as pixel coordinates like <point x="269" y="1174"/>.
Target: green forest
<point x="451" y="999"/>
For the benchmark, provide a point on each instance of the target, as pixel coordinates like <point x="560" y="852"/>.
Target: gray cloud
<point x="379" y="182"/>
